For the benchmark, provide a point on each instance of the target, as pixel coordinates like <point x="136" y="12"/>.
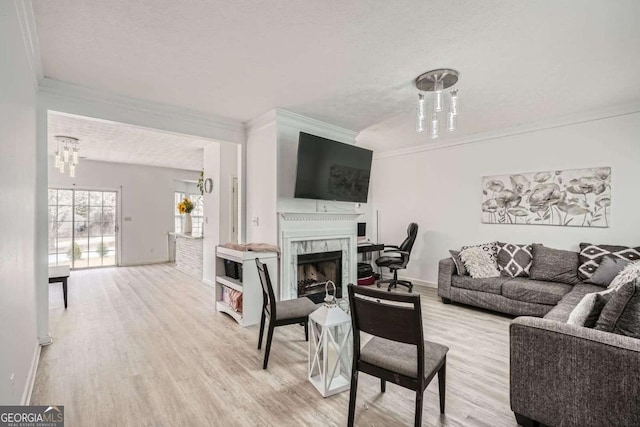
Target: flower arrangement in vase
<point x="185" y="207"/>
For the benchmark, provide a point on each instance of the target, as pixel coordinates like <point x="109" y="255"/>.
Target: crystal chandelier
<point x="67" y="154"/>
<point x="437" y="81"/>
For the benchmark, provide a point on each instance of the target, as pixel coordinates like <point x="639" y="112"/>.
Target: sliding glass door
<point x="82" y="228"/>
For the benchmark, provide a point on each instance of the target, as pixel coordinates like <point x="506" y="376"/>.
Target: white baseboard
<point x="416" y="282"/>
<point x="134" y="264"/>
<point x="31" y="378"/>
<point x="208" y="282"/>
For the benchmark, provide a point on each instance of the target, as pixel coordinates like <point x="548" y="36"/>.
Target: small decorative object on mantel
<point x="570" y="198"/>
<point x="330" y="346"/>
<point x="185" y="207"/>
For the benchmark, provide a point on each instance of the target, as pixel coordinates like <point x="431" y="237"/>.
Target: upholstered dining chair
<point x="397" y="352"/>
<point x="280" y="313"/>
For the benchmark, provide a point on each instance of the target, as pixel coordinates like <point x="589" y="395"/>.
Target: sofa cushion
<point x="566" y="305"/>
<point x="621" y="315"/>
<point x="492" y="285"/>
<point x="534" y="291"/>
<point x="514" y="260"/>
<point x="554" y="265"/>
<point x="592" y="255"/>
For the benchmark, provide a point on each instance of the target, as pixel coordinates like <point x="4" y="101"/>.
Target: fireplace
<point x="314" y="270"/>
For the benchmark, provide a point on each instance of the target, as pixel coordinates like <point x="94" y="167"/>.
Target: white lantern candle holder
<point x="330" y="347"/>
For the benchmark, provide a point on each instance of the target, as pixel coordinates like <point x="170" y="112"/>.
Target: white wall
<point x="146" y="197"/>
<point x="18" y="334"/>
<point x="262" y="185"/>
<point x="440" y="189"/>
<point x="221" y="163"/>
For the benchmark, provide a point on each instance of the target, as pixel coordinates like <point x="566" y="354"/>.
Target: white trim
<point x="305" y="124"/>
<point x="134" y="264"/>
<point x="31" y="377"/>
<point x="68" y="90"/>
<point x="27" y="22"/>
<point x="209" y="282"/>
<point x="515" y="130"/>
<point x="47" y="339"/>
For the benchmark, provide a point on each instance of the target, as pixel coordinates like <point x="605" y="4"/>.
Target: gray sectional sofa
<point x="561" y="375"/>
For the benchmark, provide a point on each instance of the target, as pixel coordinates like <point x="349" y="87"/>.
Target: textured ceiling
<point x="121" y="143"/>
<point x="350" y="63"/>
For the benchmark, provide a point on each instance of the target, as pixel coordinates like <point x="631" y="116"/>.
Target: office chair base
<point x="393" y="284"/>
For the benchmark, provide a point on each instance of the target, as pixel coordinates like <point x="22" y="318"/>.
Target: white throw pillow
<point x="478" y="263"/>
<point x="587" y="309"/>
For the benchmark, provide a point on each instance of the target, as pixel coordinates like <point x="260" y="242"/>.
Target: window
<point x="197" y="215"/>
<point x="82" y="228"/>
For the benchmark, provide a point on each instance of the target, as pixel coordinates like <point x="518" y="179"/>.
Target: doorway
<point x="83" y="228"/>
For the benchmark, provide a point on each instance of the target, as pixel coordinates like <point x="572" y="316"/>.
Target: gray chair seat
<point x="401" y="358"/>
<point x="294" y="308"/>
<point x="492" y="285"/>
<point x="534" y="291"/>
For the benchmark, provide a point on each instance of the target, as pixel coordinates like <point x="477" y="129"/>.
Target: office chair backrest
<point x="396" y="317"/>
<point x="268" y="297"/>
<point x="412" y="233"/>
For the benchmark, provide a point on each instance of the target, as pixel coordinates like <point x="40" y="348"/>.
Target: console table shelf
<point x="249" y="286"/>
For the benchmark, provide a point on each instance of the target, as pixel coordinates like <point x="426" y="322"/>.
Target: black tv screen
<point x="331" y="170"/>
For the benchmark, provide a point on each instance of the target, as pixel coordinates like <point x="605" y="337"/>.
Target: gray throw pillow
<point x="608" y="269"/>
<point x="621" y="315"/>
<point x="554" y="265"/>
<point x="460" y="268"/>
<point x="592" y="255"/>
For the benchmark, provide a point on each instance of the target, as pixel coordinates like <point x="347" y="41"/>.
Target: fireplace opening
<point x="314" y="270"/>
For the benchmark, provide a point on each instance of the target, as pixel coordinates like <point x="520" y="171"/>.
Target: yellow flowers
<point x="185" y="206"/>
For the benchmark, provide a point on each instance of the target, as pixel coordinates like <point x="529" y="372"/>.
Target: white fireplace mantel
<point x="310" y="232"/>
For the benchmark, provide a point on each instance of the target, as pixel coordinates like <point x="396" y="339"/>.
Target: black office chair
<point x="397" y="352"/>
<point x="400" y="260"/>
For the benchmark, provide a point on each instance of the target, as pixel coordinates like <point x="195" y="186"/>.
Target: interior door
<point x="83" y="228"/>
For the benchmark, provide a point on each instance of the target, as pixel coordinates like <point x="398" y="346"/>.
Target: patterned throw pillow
<point x="514" y="260"/>
<point x="491" y="249"/>
<point x="591" y="256"/>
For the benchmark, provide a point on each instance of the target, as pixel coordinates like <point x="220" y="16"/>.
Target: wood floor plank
<point x="143" y="346"/>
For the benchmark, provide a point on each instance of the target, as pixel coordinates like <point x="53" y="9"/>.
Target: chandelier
<point x="437" y="81"/>
<point x="67" y="153"/>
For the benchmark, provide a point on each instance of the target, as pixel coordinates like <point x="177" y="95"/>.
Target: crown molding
<point x="564" y="121"/>
<point x="27" y="22"/>
<point x="286" y="118"/>
<point x="298" y="121"/>
<point x="58" y="88"/>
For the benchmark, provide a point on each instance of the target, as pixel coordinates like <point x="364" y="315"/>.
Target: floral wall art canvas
<point x="574" y="198"/>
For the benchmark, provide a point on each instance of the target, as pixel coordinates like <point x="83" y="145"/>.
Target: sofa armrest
<point x="446" y="270"/>
<point x="573" y="376"/>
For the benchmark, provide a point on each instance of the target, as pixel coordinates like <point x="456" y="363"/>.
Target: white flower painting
<point x="572" y="198"/>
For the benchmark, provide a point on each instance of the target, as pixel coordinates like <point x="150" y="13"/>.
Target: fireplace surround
<point x="315" y="233"/>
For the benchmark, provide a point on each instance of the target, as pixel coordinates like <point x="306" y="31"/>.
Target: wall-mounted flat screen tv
<point x="331" y="170"/>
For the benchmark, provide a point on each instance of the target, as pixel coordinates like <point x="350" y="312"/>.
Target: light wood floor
<point x="143" y="346"/>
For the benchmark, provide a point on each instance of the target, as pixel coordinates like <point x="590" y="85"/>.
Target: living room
<point x="527" y="151"/>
